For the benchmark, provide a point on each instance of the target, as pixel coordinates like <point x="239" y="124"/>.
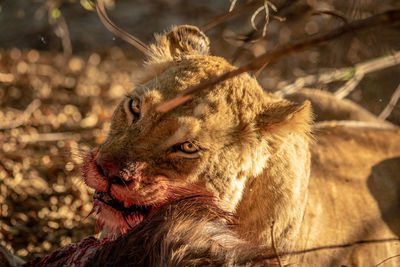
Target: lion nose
<point x="111" y="172"/>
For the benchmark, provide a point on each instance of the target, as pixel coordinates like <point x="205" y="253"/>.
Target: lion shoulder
<point x="354" y="194"/>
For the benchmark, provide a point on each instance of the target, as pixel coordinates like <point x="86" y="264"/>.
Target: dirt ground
<point x="53" y="108"/>
<point x="52" y="112"/>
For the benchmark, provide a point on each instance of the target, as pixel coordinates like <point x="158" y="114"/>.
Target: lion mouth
<point x="107" y="199"/>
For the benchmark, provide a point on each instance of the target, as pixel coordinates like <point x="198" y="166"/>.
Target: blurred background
<point x="62" y="74"/>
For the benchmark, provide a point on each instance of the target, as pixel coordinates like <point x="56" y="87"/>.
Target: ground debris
<point x="52" y="111"/>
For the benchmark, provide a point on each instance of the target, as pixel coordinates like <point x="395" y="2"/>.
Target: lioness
<point x="255" y="153"/>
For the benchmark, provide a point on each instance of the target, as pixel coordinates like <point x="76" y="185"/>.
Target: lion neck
<point x="277" y="196"/>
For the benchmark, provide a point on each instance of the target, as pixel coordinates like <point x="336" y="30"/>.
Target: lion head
<point x="226" y="139"/>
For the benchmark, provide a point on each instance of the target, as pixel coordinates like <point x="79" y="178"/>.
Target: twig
<point x="341" y="74"/>
<point x="392" y="103"/>
<point x="61" y="28"/>
<point x="386" y="18"/>
<point x="333" y="13"/>
<point x="233" y="3"/>
<point x="34" y="105"/>
<point x="226" y="16"/>
<point x="188" y="93"/>
<point x="339" y="246"/>
<point x="63" y="33"/>
<point x="373" y="241"/>
<point x="387" y="259"/>
<point x="222" y="18"/>
<point x="364" y="242"/>
<point x="365" y="125"/>
<point x="273" y="244"/>
<point x="124" y="35"/>
<point x="265" y="7"/>
<point x="362" y="69"/>
<point x="260" y="70"/>
<point x="349" y="86"/>
<point x="320" y="78"/>
<point x="253" y="17"/>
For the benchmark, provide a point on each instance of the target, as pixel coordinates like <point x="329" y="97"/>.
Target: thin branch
<point x="188" y="93"/>
<point x="60" y="27"/>
<point x="265" y="7"/>
<point x="386" y="18"/>
<point x="273" y="244"/>
<point x="363" y="69"/>
<point x="63" y="33"/>
<point x="256" y="3"/>
<point x="270" y="256"/>
<point x="392" y="103"/>
<point x="224" y="17"/>
<point x="354" y="124"/>
<point x="253" y="17"/>
<point x="260" y="70"/>
<point x="387" y="259"/>
<point x="320" y="78"/>
<point x="101" y="12"/>
<point x="233" y="3"/>
<point x="349" y="86"/>
<point x="341" y="74"/>
<point x="364" y="242"/>
<point x="34" y="105"/>
<point x="332" y="13"/>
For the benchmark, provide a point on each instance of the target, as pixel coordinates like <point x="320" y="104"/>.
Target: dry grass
<point x="52" y="111"/>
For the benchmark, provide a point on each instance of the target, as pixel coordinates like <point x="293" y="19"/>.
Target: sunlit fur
<point x="255" y="155"/>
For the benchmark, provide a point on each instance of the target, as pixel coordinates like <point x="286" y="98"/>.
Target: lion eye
<point x="134" y="106"/>
<point x="188" y="147"/>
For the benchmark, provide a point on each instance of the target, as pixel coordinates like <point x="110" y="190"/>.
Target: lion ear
<point x="187" y="40"/>
<point x="179" y="41"/>
<point x="285" y="117"/>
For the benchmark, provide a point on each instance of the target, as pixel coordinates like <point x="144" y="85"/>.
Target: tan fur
<point x="354" y="196"/>
<point x="255" y="156"/>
